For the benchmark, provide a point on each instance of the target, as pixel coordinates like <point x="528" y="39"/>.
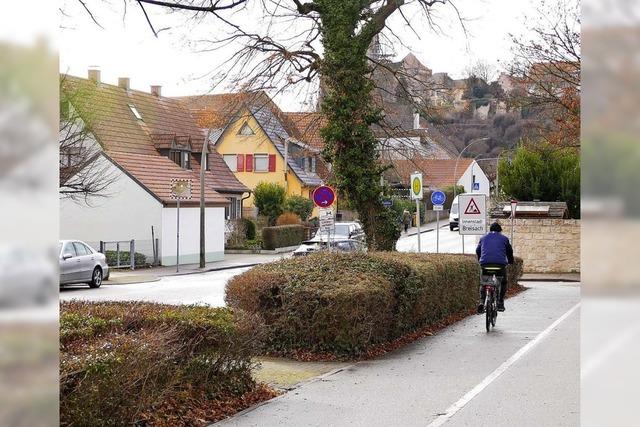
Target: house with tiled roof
<point x="439" y="174"/>
<point x="147" y="140"/>
<point x="258" y="142"/>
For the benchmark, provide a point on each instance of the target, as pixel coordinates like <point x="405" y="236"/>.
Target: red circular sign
<point x="324" y="196"/>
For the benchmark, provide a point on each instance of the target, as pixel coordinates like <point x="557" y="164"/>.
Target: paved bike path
<point x="417" y="385"/>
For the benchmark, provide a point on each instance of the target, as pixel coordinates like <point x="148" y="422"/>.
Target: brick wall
<point x="546" y="245"/>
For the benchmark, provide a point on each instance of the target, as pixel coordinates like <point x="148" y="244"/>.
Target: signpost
<point x="324" y="197"/>
<point x="438" y="198"/>
<point x="416" y="194"/>
<point x="476" y="186"/>
<point x="180" y="190"/>
<point x="514" y="207"/>
<point x="473" y="215"/>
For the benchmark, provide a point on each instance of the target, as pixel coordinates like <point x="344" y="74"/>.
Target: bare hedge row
<point x="344" y="303"/>
<point x="121" y="362"/>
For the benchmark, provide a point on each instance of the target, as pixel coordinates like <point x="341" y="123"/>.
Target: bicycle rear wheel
<point x="488" y="309"/>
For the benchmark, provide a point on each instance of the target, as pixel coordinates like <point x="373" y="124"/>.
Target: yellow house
<point x="255" y="145"/>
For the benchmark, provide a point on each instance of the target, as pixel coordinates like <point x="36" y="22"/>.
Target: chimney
<point x="124" y="83"/>
<point x="156" y="90"/>
<point x="94" y="74"/>
<point x="416" y="120"/>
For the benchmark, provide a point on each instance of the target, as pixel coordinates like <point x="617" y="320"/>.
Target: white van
<point x="453" y="214"/>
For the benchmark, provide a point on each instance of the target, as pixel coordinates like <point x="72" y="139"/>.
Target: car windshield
<point x="342" y="229"/>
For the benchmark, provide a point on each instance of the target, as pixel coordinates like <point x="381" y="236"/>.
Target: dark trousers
<point x="406" y="227"/>
<point x="500" y="273"/>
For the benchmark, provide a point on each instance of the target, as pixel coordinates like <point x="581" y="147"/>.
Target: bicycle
<point x="490" y="282"/>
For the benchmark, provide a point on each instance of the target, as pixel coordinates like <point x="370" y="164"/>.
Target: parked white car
<point x="80" y="263"/>
<point x="318" y="244"/>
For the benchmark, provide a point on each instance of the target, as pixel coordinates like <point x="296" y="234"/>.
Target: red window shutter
<point x="272" y="162"/>
<point x="249" y="163"/>
<point x="240" y="165"/>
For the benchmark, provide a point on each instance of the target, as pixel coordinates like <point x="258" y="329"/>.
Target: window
<point x="135" y="112"/>
<point x="181" y="158"/>
<point x="69" y="249"/>
<point x="234" y="210"/>
<point x="81" y="249"/>
<point x="261" y="163"/>
<point x="232" y="161"/>
<point x="69" y="157"/>
<point x="246" y="130"/>
<point x="313" y="164"/>
<point x="186" y="160"/>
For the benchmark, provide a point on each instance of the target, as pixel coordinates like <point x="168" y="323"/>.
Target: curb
<point x="549" y="280"/>
<point x="186" y="273"/>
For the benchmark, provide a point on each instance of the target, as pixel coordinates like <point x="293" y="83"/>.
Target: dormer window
<point x="181" y="158"/>
<point x="246" y="130"/>
<point x="135" y="112"/>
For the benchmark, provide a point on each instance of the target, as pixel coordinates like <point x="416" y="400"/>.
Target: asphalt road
<point x="525" y="373"/>
<point x="449" y="241"/>
<point x="203" y="288"/>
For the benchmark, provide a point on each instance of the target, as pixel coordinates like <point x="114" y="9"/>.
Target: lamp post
<point x="455" y="172"/>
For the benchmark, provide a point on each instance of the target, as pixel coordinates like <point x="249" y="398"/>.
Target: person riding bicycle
<point x="494" y="250"/>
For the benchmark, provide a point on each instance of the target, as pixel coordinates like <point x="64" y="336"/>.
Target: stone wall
<point x="546" y="245"/>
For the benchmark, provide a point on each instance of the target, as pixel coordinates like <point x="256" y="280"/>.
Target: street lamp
<point x="455" y="172"/>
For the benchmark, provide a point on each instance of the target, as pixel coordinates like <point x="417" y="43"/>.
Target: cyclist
<point x="494" y="250"/>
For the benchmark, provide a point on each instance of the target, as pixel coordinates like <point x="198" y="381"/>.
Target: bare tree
<point x="298" y="41"/>
<point x="546" y="72"/>
<point x="84" y="172"/>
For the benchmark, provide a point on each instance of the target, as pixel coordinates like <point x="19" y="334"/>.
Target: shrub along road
<point x="525" y="372"/>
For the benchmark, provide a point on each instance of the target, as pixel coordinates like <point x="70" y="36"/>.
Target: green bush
<point x="300" y="206"/>
<point x="119" y="360"/>
<point x="345" y="302"/>
<point x="125" y="258"/>
<point x="282" y="236"/>
<point x="269" y="199"/>
<point x="250" y="228"/>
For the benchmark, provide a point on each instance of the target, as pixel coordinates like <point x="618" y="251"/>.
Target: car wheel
<point x="96" y="278"/>
<point x="451" y="227"/>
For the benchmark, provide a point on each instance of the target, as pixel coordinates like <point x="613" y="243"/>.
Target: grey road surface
<point x="524" y="373"/>
<point x="450" y="241"/>
<point x="204" y="288"/>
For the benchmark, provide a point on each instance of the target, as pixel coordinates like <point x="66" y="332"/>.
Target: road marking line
<point x="607" y="351"/>
<point x="453" y="409"/>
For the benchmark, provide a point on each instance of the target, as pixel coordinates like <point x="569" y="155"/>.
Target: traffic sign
<point x="476" y="186"/>
<point x="324" y="196"/>
<point x="387" y="203"/>
<point x="473" y="214"/>
<point x="416" y="186"/>
<point x="326" y="218"/>
<point x="438" y="207"/>
<point x="438" y="198"/>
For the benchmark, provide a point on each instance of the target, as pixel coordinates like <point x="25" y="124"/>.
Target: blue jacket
<point x="494" y="248"/>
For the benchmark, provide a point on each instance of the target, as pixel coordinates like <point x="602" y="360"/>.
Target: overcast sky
<point x="125" y="46"/>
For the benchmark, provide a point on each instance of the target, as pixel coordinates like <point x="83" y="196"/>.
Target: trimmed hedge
<point x="112" y="258"/>
<point x="345" y="302"/>
<point x="120" y="363"/>
<point x="282" y="236"/>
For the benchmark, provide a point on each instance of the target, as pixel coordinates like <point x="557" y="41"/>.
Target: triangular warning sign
<point x="472" y="208"/>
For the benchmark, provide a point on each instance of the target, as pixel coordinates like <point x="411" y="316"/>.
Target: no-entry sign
<point x="473" y="213"/>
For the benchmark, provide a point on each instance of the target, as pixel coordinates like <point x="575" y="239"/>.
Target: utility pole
<point x="204" y="159"/>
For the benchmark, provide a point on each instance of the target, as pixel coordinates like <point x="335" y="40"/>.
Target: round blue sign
<point x="324" y="196"/>
<point x="438" y="197"/>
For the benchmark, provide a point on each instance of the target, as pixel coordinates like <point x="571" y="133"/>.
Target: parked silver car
<point x="318" y="244"/>
<point x="80" y="263"/>
<point x="344" y="230"/>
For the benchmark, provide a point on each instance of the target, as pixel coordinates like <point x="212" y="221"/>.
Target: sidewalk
<point x="143" y="275"/>
<point x="424" y="228"/>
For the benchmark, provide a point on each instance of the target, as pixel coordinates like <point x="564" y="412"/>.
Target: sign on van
<point x="473" y="214"/>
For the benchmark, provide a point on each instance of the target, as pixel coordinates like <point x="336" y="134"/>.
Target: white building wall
<point x="465" y="180"/>
<point x="128" y="212"/>
<point x="190" y="235"/>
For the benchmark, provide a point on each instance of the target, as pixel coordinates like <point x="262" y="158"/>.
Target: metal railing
<point x="124" y="255"/>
